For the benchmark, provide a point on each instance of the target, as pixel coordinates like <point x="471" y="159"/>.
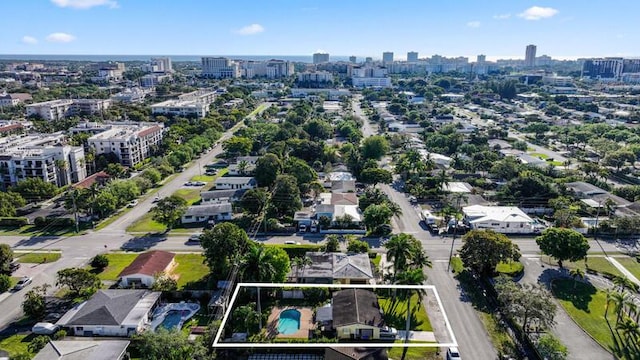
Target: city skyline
<point x="502" y="29"/>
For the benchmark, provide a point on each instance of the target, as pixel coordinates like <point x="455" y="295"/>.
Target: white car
<point x="132" y="203"/>
<point x="199" y="183"/>
<point x="44" y="328"/>
<point x="453" y="354"/>
<point x="195" y="237"/>
<point x="26" y="280"/>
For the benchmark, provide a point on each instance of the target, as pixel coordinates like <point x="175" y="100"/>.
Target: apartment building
<point x="151" y="80"/>
<point x="62" y="108"/>
<point x="319" y="58"/>
<point x="370" y="77"/>
<point x="195" y="103"/>
<point x="130" y="95"/>
<point x="610" y="69"/>
<point x="220" y="68"/>
<point x="13" y="99"/>
<point x="161" y="64"/>
<point x="131" y="143"/>
<point x="271" y="69"/>
<point x="42" y="156"/>
<point x="315" y="77"/>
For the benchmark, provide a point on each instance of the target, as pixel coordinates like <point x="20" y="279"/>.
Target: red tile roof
<point x="92" y="179"/>
<point x="149" y="263"/>
<point x="10" y="127"/>
<point x="150" y="130"/>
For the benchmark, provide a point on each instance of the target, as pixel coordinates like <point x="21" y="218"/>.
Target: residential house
<point x="356" y="314"/>
<point x="146" y="266"/>
<point x="84" y="350"/>
<point x="337" y="212"/>
<point x="343" y="186"/>
<point x="221" y="196"/>
<point x="329" y="268"/>
<point x="120" y="313"/>
<point x="208" y="212"/>
<point x="502" y="219"/>
<point x="351" y="353"/>
<point x="596" y="197"/>
<point x="235" y="183"/>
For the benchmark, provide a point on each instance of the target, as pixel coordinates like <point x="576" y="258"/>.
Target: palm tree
<point x="630" y="330"/>
<point x="606" y="307"/>
<point x="257" y="267"/>
<point x="623" y="283"/>
<point x="576" y="274"/>
<point x="242" y="167"/>
<point x="411" y="277"/>
<point x="620" y="300"/>
<point x="301" y="262"/>
<point x="396" y="210"/>
<point x="399" y="252"/>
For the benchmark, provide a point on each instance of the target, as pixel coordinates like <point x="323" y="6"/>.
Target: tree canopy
<point x="375" y="147"/>
<point x="563" y="244"/>
<point x="483" y="250"/>
<point x="169" y="210"/>
<point x="35" y="189"/>
<point x="222" y="245"/>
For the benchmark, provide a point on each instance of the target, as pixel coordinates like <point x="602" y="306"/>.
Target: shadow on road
<point x="145" y="242"/>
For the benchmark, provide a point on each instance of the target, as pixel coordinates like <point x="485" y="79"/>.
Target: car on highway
<point x="24" y="281"/>
<point x="453" y="354"/>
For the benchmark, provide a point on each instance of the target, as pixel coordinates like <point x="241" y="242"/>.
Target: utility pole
<point x="75" y="210"/>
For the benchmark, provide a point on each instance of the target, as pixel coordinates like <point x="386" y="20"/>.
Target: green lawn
<point x="539" y="155"/>
<point x="630" y="264"/>
<point x="15" y="344"/>
<point x="32" y="230"/>
<point x="510" y="268"/>
<point x="205" y="178"/>
<point x="37" y="258"/>
<point x="414" y="353"/>
<point x="586" y="305"/>
<point x="117" y="263"/>
<point x="596" y="263"/>
<point x="146" y="224"/>
<point x="191" y="196"/>
<point x="397" y="317"/>
<point x="192" y="271"/>
<point x="376" y="260"/>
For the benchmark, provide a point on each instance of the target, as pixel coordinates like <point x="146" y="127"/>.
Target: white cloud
<point x="85" y="4"/>
<point x="537" y="13"/>
<point x="501" y="16"/>
<point x="29" y="40"/>
<point x="473" y="24"/>
<point x="60" y="37"/>
<point x="250" y="29"/>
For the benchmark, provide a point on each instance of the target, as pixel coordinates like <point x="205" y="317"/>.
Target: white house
<point x="144" y="269"/>
<point x="221" y="196"/>
<point x="111" y="313"/>
<point x="208" y="212"/>
<point x="235" y="182"/>
<point x="502" y="219"/>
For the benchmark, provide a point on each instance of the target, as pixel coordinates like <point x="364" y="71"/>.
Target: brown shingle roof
<point x="149" y="263"/>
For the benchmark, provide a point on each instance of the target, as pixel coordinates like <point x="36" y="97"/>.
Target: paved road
<point x="579" y="344"/>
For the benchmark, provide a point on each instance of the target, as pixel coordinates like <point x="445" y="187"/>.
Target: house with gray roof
<point x="235" y="183"/>
<point x="111" y="313"/>
<point x="221" y="196"/>
<point x="356" y="314"/>
<point x="85" y="349"/>
<point x="207" y="212"/>
<point x="329" y="268"/>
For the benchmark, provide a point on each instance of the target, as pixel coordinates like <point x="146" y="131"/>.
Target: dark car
<point x="14" y="266"/>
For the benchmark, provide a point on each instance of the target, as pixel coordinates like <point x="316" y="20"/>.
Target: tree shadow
<point x="578" y="293"/>
<point x="145" y="242"/>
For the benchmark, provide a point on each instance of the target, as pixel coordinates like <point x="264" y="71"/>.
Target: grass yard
<point x="511" y="268"/>
<point x="117" y="263"/>
<point x="596" y="263"/>
<point x="376" y="260"/>
<point x="191" y="196"/>
<point x="414" y="353"/>
<point x="32" y="230"/>
<point x="204" y="178"/>
<point x="15" y="344"/>
<point x="145" y="225"/>
<point x="37" y="258"/>
<point x="539" y="155"/>
<point x="192" y="271"/>
<point x="630" y="264"/>
<point x="397" y="319"/>
<point x="586" y="305"/>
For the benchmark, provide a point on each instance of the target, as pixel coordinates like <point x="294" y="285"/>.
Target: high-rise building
<point x="412" y="56"/>
<point x="368" y="60"/>
<point x="162" y="64"/>
<point x="220" y="68"/>
<point x="319" y="58"/>
<point x="530" y="56"/>
<point x="387" y="57"/>
<point x="353" y="59"/>
<point x="481" y="59"/>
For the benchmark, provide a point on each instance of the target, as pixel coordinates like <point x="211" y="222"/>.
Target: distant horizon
<point x="472" y="58"/>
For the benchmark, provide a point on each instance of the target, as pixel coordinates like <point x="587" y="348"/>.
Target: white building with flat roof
<point x="180" y="108"/>
<point x="131" y="143"/>
<point x="51" y="110"/>
<point x="502" y="219"/>
<point x="41" y="156"/>
<point x="220" y="68"/>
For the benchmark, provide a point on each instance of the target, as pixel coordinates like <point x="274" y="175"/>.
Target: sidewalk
<point x="623" y="270"/>
<point x="425" y="336"/>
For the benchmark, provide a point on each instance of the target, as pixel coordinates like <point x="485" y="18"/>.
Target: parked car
<point x="44" y="328"/>
<point x="14" y="266"/>
<point x="156" y="199"/>
<point x="189" y="183"/>
<point x="291" y="242"/>
<point x="132" y="203"/>
<point x="302" y="228"/>
<point x="24" y="281"/>
<point x="199" y="183"/>
<point x="388" y="332"/>
<point x="195" y="237"/>
<point x="453" y="354"/>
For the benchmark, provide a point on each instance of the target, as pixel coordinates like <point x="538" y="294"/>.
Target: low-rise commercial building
<point x="60" y="109"/>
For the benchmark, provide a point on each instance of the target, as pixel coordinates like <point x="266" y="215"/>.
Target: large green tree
<point x="303" y="173"/>
<point x="168" y="345"/>
<point x="169" y="210"/>
<point x="377" y="215"/>
<point x="551" y="348"/>
<point x="376" y="176"/>
<point x="265" y="264"/>
<point x="34" y="305"/>
<point x="286" y="196"/>
<point x="483" y="250"/>
<point x="526" y="303"/>
<point x="268" y="167"/>
<point x="375" y="147"/>
<point x="254" y="200"/>
<point x="223" y="245"/>
<point x="6" y="257"/>
<point x="35" y="189"/>
<point x="563" y="244"/>
<point x="9" y="202"/>
<point x="238" y="146"/>
<point x="79" y="281"/>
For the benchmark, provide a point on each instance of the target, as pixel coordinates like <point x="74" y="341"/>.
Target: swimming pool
<point x="173" y="316"/>
<point x="289" y="322"/>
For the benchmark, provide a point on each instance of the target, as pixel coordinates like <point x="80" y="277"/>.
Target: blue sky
<point x="497" y="28"/>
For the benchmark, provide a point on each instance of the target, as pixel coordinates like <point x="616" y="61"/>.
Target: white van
<point x="302" y="228"/>
<point x="44" y="328"/>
